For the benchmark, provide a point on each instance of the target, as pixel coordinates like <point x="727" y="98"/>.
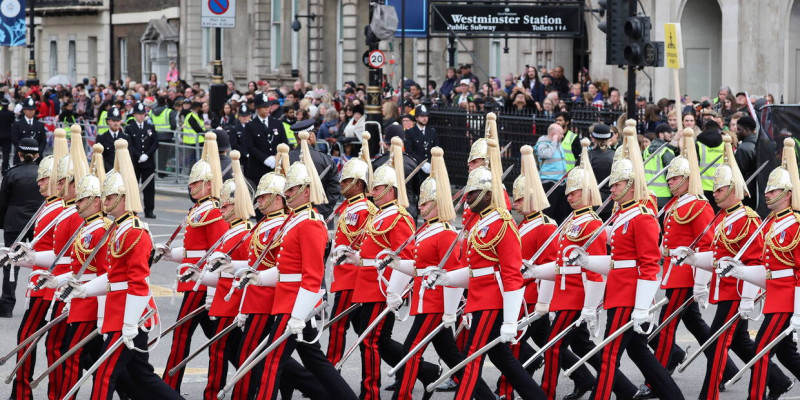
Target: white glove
<point x="578" y="256"/>
<point x="209" y="299"/>
<point x="47" y="280"/>
<point x="253" y="278"/>
<point x="129" y="331"/>
<point x="746" y="308"/>
<point x="684" y="255"/>
<point x="701" y="294"/>
<point x="270" y="162"/>
<point x="78" y="291"/>
<point x="192" y="273"/>
<point x="508" y="332"/>
<point x="449" y="320"/>
<point x="24" y="254"/>
<point x="795" y="324"/>
<point x="589" y="315"/>
<point x="541" y="308"/>
<point x="727" y="266"/>
<point x="241" y="319"/>
<point x="645" y="293"/>
<point x="352" y="257"/>
<point x="393" y="301"/>
<point x="295" y="326"/>
<point x="466" y="320"/>
<point x="639" y="318"/>
<point x="221" y="261"/>
<point x="143" y="158"/>
<point x="162" y="252"/>
<point x="436" y="277"/>
<point x="100" y="323"/>
<point x="4" y="252"/>
<point x="426" y="168"/>
<point x="338" y="251"/>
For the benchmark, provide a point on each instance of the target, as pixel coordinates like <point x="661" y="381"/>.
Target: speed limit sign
<point x="376" y="59"/>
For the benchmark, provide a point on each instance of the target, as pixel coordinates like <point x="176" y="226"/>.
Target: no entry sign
<point x="218" y="14"/>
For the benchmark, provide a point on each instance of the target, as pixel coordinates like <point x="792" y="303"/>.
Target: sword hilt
<point x="65" y="293"/>
<point x="384" y="263"/>
<point x="341" y="259"/>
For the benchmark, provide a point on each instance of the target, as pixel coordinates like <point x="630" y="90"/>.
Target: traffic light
<point x="639" y="50"/>
<point x="617" y="12"/>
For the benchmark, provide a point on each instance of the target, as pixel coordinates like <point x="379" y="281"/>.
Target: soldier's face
<point x="227" y="212"/>
<point x="575" y="198"/>
<point x="43" y="184"/>
<point x="88" y="206"/>
<point x="475" y="163"/>
<point x="782" y="203"/>
<point x="117" y="203"/>
<point x="517" y="205"/>
<point x="723" y="198"/>
<point x="675" y="185"/>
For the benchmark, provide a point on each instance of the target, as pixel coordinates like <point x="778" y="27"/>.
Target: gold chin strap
<point x="671" y="190"/>
<point x="263" y="206"/>
<point x="477" y="201"/>
<point x="622" y="194"/>
<point x="197" y="190"/>
<point x="297" y="194"/>
<point x="383" y="193"/>
<point x="229" y="214"/>
<point x="727" y="193"/>
<point x="349" y="186"/>
<point x="116" y="203"/>
<point x="88" y="203"/>
<point x="778" y="197"/>
<point x="425" y="212"/>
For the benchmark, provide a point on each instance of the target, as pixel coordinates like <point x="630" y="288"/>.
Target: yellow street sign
<point x="673" y="48"/>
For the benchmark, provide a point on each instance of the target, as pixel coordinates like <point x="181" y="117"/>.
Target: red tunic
<point x="204" y="226"/>
<point x="685" y="219"/>
<point x="354" y="215"/>
<point x="534" y="230"/>
<point x="82" y="310"/>
<point x="259" y="299"/>
<point x="781" y="251"/>
<point x="634" y="237"/>
<point x="568" y="293"/>
<point x="302" y="253"/>
<point x="432" y="242"/>
<point x="68" y="222"/>
<point x="388" y="230"/>
<point x="51" y="211"/>
<point x="128" y="269"/>
<point x="733" y="228"/>
<point x="493" y="243"/>
<point x="232" y="240"/>
<point x="469" y="218"/>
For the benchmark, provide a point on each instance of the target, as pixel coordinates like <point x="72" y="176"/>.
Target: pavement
<point x="171" y="205"/>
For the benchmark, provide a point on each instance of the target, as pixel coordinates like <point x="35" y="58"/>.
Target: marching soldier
<point x="127" y="291"/>
<point x="144" y="143"/>
<point x="494" y="280"/>
<point x="355" y="214"/>
<point x="297" y="277"/>
<point x="28" y="126"/>
<point x="734" y="226"/>
<point x="631" y="286"/>
<point x="204" y="226"/>
<point x="262" y="135"/>
<point x="778" y="274"/>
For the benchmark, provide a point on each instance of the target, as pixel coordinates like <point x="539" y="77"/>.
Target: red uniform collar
<point x="734" y="207"/>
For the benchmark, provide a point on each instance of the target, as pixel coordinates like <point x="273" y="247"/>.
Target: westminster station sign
<point x="512" y="19"/>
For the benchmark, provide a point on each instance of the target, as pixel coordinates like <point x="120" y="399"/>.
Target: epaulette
<point x="313" y="215"/>
<point x="752" y="214"/>
<point x="137" y="223"/>
<point x="448" y="226"/>
<point x="505" y="214"/>
<point x="107" y="223"/>
<point x="644" y="210"/>
<point x="547" y="220"/>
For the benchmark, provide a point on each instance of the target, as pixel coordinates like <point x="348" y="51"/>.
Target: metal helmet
<point x="427" y="190"/>
<point x="201" y="171"/>
<point x="113" y="184"/>
<point x="88" y="186"/>
<point x="780" y="178"/>
<point x="679" y="166"/>
<point x="227" y="191"/>
<point x="297" y="175"/>
<point x="354" y="168"/>
<point x="479" y="179"/>
<point x="575" y="179"/>
<point x="384" y="175"/>
<point x="65" y="169"/>
<point x="518" y="188"/>
<point x="621" y="170"/>
<point x="45" y="167"/>
<point x="271" y="183"/>
<point x="479" y="149"/>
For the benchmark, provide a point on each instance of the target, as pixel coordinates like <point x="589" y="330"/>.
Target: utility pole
<point x="373" y="106"/>
<point x="32" y="79"/>
<point x="218" y="91"/>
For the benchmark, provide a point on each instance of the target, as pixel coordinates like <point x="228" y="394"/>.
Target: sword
<point x="257" y="355"/>
<point x="243" y="283"/>
<point x="40" y="282"/>
<point x="178" y="323"/>
<point x="67" y="290"/>
<point x="610" y="338"/>
<point x="786" y="332"/>
<point x="445" y="376"/>
<point x="204" y="346"/>
<point x="550" y="239"/>
<point x="22" y="359"/>
<point x="64" y="357"/>
<point x="33" y="337"/>
<point x="669" y="319"/>
<point x="392" y="255"/>
<point x="21" y="235"/>
<point x="148" y="180"/>
<point x="169" y="241"/>
<point x="420" y="345"/>
<point x="341" y="315"/>
<point x="553" y="189"/>
<point x="447" y="255"/>
<point x="552" y="343"/>
<point x="109" y="352"/>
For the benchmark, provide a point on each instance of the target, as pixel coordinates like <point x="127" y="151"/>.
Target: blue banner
<point x="12" y="23"/>
<point x="416" y="20"/>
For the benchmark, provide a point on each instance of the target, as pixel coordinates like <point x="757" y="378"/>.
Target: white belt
<point x="370" y="262"/>
<point x="194" y="253"/>
<point x="478" y="272"/>
<point x="568" y="270"/>
<point x="424" y="271"/>
<point x="781" y="273"/>
<point x="289" y="277"/>
<point x="620" y="264"/>
<point x="64" y="260"/>
<point x="226" y="275"/>
<point x="117" y="286"/>
<point x="88" y="277"/>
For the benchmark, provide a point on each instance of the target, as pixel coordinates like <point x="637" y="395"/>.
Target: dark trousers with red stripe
<point x="485" y="328"/>
<point x="84" y="357"/>
<point x="667" y="352"/>
<point x="338" y="331"/>
<point x="53" y="346"/>
<point x="445" y="346"/>
<point x="220" y="353"/>
<point x="182" y="335"/>
<point x="785" y="351"/>
<point x="377" y="345"/>
<point x="636" y="346"/>
<point x="311" y="356"/>
<point x="133" y="366"/>
<point x="295" y="375"/>
<point x="32" y="321"/>
<point x="522" y="351"/>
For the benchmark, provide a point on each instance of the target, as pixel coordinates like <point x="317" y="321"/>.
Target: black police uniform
<point x="107" y="139"/>
<point x="144" y="142"/>
<point x="261" y="140"/>
<point x="236" y="133"/>
<point x="419" y="142"/>
<point x="22" y="128"/>
<point x="6" y="120"/>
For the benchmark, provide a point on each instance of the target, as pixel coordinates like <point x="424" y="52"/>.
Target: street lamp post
<point x="32" y="79"/>
<point x="296" y="26"/>
<point x="217" y="90"/>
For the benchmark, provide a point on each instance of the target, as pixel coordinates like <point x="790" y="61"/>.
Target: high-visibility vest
<point x="189" y="135"/>
<point x="161" y="121"/>
<point x="130" y="120"/>
<point x="102" y="125"/>
<point x="705" y="156"/>
<point x="566" y="149"/>
<point x="659" y="186"/>
<point x="287" y="129"/>
<point x="553" y="168"/>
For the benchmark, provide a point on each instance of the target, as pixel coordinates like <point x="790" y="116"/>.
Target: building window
<point x="295" y="49"/>
<point x="123" y="58"/>
<point x="275" y="34"/>
<point x="53" y="58"/>
<point x="91" y="50"/>
<point x="495" y="55"/>
<point x="209" y="40"/>
<point x="339" y="44"/>
<point x="71" y="60"/>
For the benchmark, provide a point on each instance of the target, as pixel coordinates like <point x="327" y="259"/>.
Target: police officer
<point x="236" y="132"/>
<point x="420" y="138"/>
<point x="144" y="143"/>
<point x="262" y="135"/>
<point x="114" y="121"/>
<point x="28" y="126"/>
<point x="321" y="161"/>
<point x="7" y="119"/>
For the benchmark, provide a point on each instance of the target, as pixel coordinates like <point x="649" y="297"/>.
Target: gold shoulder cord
<point x="372" y="232"/>
<point x="730" y="242"/>
<point x="582" y="234"/>
<point x="351" y="234"/>
<point x="202" y="221"/>
<point x="778" y="249"/>
<point x="688" y="217"/>
<point x="115" y="254"/>
<point x="483" y="248"/>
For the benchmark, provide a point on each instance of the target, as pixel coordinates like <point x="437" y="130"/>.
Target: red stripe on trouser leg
<point x="551" y="365"/>
<point x="269" y="378"/>
<point x="504" y="388"/>
<point x="217" y="361"/>
<point x="338" y="330"/>
<point x="32" y="321"/>
<point x="479" y="336"/>
<point x="181" y="339"/>
<point x="758" y="379"/>
<point x="52" y="345"/>
<point x="721" y="347"/>
<point x="72" y="365"/>
<point x="666" y="338"/>
<point x="254" y="333"/>
<point x="370" y="356"/>
<point x="411" y="368"/>
<point x="610" y="355"/>
<point x="101" y="389"/>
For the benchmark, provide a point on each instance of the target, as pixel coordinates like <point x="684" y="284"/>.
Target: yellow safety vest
<point x="189" y="135"/>
<point x="705" y="157"/>
<point x="289" y="135"/>
<point x="566" y="147"/>
<point x="659" y="186"/>
<point x="102" y="125"/>
<point x="161" y="121"/>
